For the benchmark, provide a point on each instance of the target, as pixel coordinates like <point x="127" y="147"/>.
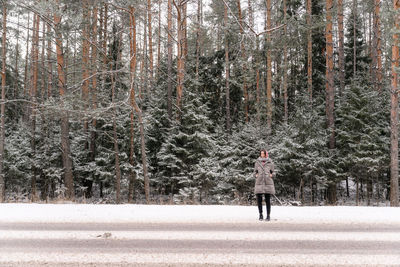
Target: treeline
<point x="170" y="101"/>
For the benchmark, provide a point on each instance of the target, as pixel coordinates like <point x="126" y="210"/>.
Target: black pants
<point x="267" y="201"/>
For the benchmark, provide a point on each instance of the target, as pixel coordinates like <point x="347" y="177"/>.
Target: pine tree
<point x="187" y="143"/>
<point x="299" y="150"/>
<point x="362" y="133"/>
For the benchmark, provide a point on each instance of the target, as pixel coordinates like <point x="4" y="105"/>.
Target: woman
<point x="264" y="174"/>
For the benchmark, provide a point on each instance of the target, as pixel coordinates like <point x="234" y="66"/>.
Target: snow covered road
<point x="78" y="235"/>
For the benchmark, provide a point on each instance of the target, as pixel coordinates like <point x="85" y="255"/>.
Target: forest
<point x="171" y="101"/>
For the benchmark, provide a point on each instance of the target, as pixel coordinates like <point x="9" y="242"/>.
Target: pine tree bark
<point x="169" y="44"/>
<point x="269" y="68"/>
<point x="2" y="106"/>
<point x="134" y="105"/>
<point x="132" y="65"/>
<point x="309" y="50"/>
<point x="376" y="49"/>
<point x="104" y="40"/>
<point x="330" y="90"/>
<point x="44" y="128"/>
<point x="85" y="66"/>
<point x="184" y="28"/>
<point x="159" y="38"/>
<point x="115" y="140"/>
<point x="26" y="60"/>
<point x="145" y="64"/>
<point x="394" y="114"/>
<point x="354" y="38"/>
<point x="49" y="64"/>
<point x="285" y="67"/>
<point x="33" y="98"/>
<point x="93" y="133"/>
<point x="198" y="36"/>
<point x="341" y="47"/>
<point x="182" y="50"/>
<point x="65" y="144"/>
<point x="150" y="33"/>
<point x="227" y="73"/>
<point x="258" y="95"/>
<point x="17" y="55"/>
<point x="43" y="90"/>
<point x="85" y="83"/>
<point x="244" y="66"/>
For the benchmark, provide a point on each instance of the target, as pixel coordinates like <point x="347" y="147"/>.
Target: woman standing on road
<point x="264" y="174"/>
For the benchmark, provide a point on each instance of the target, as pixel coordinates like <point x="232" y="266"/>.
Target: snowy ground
<point x="191" y="213"/>
<point x="152" y="235"/>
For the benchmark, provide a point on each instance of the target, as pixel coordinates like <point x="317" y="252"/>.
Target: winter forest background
<point x="170" y="101"/>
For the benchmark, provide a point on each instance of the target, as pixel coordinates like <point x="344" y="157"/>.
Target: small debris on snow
<point x="105" y="235"/>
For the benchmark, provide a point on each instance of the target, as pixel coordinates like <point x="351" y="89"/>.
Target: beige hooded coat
<point x="264" y="183"/>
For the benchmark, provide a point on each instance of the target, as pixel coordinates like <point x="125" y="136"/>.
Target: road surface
<point x="191" y="244"/>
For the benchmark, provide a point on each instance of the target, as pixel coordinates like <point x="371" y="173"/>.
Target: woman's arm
<point x="272" y="170"/>
<point x="255" y="173"/>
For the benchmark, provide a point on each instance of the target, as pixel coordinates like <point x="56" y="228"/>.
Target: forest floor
<point x="182" y="235"/>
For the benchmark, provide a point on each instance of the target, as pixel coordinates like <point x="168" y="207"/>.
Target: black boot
<point x="268" y="218"/>
<point x="261" y="217"/>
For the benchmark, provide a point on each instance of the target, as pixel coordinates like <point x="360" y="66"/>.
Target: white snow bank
<point x="192" y="213"/>
<point x="204" y="235"/>
<point x="198" y="259"/>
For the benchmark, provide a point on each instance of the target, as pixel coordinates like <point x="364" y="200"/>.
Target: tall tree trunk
<point x="181" y="18"/>
<point x="145" y="62"/>
<point x="258" y="94"/>
<point x="159" y="38"/>
<point x="85" y="66"/>
<point x="330" y="90"/>
<point x="43" y="90"/>
<point x="309" y="50"/>
<point x="269" y="68"/>
<point x="103" y="41"/>
<point x="33" y="95"/>
<point x="85" y="82"/>
<point x="341" y="48"/>
<point x="169" y="44"/>
<point x="184" y="28"/>
<point x="132" y="65"/>
<point x="369" y="192"/>
<point x="394" y="114"/>
<point x="2" y="106"/>
<point x="65" y="144"/>
<point x="377" y="51"/>
<point x="93" y="132"/>
<point x="227" y="73"/>
<point x="357" y="192"/>
<point x="17" y="55"/>
<point x="285" y="66"/>
<point x="115" y="140"/>
<point x="44" y="127"/>
<point x="150" y="33"/>
<point x="198" y="36"/>
<point x="49" y="64"/>
<point x="251" y="14"/>
<point x="244" y="59"/>
<point x="26" y="61"/>
<point x="354" y="38"/>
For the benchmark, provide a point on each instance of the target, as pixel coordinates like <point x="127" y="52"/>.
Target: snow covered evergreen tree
<point x="299" y="150"/>
<point x="188" y="142"/>
<point x="362" y="134"/>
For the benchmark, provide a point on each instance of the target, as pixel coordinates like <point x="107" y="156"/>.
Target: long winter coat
<point x="264" y="183"/>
